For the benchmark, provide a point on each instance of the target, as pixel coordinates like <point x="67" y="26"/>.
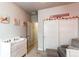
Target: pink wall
<point x="13" y="11"/>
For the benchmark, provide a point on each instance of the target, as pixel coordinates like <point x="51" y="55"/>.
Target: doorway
<point x="32" y="35"/>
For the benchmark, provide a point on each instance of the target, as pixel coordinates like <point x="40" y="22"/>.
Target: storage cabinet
<point x="59" y="32"/>
<point x="68" y="29"/>
<point x="16" y="48"/>
<point x="50" y="34"/>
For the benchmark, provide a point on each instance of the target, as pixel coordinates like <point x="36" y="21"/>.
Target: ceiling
<point x="32" y="6"/>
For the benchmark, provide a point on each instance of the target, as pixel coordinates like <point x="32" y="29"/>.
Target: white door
<point x="50" y="34"/>
<point x="68" y="29"/>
